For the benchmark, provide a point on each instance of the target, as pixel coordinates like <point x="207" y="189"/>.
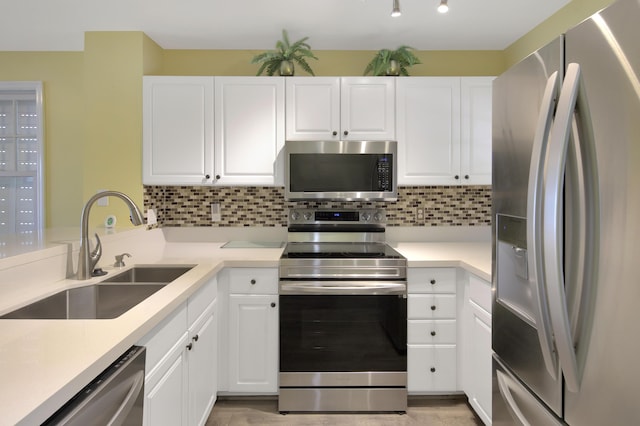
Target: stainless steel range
<point x="343" y="314"/>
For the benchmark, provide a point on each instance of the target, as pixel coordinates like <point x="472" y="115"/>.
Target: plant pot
<point x="286" y="68"/>
<point x="393" y="68"/>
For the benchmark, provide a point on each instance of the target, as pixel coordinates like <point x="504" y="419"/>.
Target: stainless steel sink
<point x="107" y="299"/>
<point x="149" y="274"/>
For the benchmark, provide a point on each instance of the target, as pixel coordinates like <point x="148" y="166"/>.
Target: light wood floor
<point x="422" y="411"/>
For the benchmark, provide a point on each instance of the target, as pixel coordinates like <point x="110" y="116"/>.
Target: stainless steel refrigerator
<point x="566" y="194"/>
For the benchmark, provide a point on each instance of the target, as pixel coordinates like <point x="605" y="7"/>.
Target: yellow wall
<point x="62" y="77"/>
<point x="331" y="62"/>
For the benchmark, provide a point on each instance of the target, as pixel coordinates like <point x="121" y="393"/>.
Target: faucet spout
<point x="87" y="259"/>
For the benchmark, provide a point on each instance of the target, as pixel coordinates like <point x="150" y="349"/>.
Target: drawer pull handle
<point x="253" y="282"/>
<point x="433" y="369"/>
<point x="433" y="282"/>
<point x="273" y="305"/>
<point x="195" y="338"/>
<point x="433" y="333"/>
<point x="190" y="346"/>
<point x="433" y="307"/>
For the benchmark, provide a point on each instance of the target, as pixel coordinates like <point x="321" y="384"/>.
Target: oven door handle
<point x="343" y="287"/>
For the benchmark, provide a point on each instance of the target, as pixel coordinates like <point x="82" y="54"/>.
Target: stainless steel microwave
<point x="341" y="170"/>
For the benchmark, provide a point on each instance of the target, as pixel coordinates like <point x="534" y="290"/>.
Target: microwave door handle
<point x="534" y="225"/>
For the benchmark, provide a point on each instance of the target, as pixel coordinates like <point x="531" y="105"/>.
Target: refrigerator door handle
<point x="572" y="99"/>
<point x="534" y="225"/>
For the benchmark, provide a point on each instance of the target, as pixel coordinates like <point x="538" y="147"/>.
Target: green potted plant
<point x="392" y="62"/>
<point x="283" y="58"/>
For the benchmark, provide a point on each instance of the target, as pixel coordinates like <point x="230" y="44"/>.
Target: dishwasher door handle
<point x="342" y="287"/>
<point x="129" y="401"/>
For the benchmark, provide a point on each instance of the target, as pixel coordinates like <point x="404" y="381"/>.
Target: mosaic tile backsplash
<point x="266" y="206"/>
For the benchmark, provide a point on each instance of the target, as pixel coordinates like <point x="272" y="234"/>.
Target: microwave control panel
<point x="384" y="174"/>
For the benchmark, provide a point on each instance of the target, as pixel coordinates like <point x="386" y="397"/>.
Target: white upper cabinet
<point x="177" y="130"/>
<point x="206" y="130"/>
<point x="475" y="136"/>
<point x="249" y="129"/>
<point x="313" y="108"/>
<point x="444" y="130"/>
<point x="340" y="108"/>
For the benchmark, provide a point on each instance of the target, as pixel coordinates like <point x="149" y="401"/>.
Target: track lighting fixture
<point x="395" y="12"/>
<point x="443" y="7"/>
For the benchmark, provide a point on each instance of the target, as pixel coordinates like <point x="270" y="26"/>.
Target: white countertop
<point x="43" y="363"/>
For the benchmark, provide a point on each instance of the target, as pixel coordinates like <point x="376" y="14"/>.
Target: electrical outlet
<point x="151" y="217"/>
<point x="216" y="216"/>
<point x="420" y="214"/>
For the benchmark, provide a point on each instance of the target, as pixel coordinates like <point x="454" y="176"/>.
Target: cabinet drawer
<point x="429" y="332"/>
<point x="431" y="306"/>
<point x="253" y="280"/>
<point x="431" y="280"/>
<point x="431" y="368"/>
<point x="202" y="298"/>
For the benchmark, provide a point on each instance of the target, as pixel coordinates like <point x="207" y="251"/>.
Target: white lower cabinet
<point x="250" y="344"/>
<point x="432" y="331"/>
<point x="476" y="363"/>
<point x="180" y="381"/>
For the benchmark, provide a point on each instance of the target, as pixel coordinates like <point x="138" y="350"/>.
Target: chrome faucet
<point x="88" y="259"/>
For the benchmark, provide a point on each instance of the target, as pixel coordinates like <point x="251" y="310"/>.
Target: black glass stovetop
<point x="340" y="250"/>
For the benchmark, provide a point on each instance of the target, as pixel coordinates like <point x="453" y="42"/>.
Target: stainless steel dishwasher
<point x="114" y="398"/>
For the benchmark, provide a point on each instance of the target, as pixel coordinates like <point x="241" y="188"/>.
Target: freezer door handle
<point x="512" y="406"/>
<point x="534" y="226"/>
<point x="582" y="272"/>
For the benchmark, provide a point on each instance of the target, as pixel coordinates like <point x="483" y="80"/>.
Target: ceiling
<point x="48" y="25"/>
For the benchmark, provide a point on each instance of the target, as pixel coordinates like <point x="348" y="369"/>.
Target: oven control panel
<point x="345" y="217"/>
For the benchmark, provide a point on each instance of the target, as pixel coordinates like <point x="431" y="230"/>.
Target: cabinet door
<point x="428" y="130"/>
<point x="313" y="108"/>
<point x="177" y="130"/>
<point x="367" y="108"/>
<point x="202" y="367"/>
<point x="480" y="362"/>
<point x="249" y="129"/>
<point x="475" y="138"/>
<point x="253" y="343"/>
<point x="166" y="389"/>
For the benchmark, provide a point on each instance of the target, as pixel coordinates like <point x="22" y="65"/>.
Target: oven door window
<point x="343" y="333"/>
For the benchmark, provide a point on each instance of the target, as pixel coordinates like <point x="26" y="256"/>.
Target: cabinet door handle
<point x="466" y="176"/>
<point x="346" y="132"/>
<point x="433" y="333"/>
<point x="433" y="282"/>
<point x="253" y="282"/>
<point x="456" y="177"/>
<point x="433" y="307"/>
<point x="273" y="305"/>
<point x="207" y="176"/>
<point x="195" y="338"/>
<point x="334" y="133"/>
<point x="190" y="346"/>
<point x="432" y="369"/>
<point x="217" y="177"/>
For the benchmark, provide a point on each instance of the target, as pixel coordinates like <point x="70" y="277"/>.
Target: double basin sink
<point x="104" y="300"/>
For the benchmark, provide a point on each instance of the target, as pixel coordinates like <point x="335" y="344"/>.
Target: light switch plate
<point x="216" y="215"/>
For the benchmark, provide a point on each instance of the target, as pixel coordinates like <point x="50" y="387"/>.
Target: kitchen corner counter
<point x="473" y="257"/>
<point x="43" y="363"/>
